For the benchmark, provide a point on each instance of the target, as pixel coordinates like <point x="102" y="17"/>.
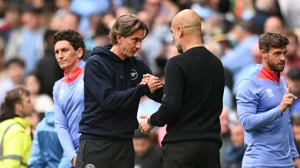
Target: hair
<point x="125" y="26"/>
<point x="13" y="8"/>
<point x="12" y="98"/>
<point x="272" y="40"/>
<point x="75" y="15"/>
<point x="73" y="37"/>
<point x="248" y="26"/>
<point x="48" y="36"/>
<point x="15" y="60"/>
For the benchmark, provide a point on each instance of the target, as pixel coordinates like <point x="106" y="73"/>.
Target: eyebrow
<point x="64" y="48"/>
<point x="279" y="52"/>
<point x="136" y="38"/>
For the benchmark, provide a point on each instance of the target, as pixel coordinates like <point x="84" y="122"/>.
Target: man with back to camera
<point x="112" y="92"/>
<point x="263" y="102"/>
<point x="192" y="101"/>
<point x="68" y="91"/>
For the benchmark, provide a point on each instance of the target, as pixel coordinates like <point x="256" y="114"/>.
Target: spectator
<point x="147" y="155"/>
<point x="234" y="153"/>
<point x="46" y="151"/>
<point x="15" y="139"/>
<point x="48" y="70"/>
<point x="31" y="31"/>
<point x="14" y="69"/>
<point x="293" y="79"/>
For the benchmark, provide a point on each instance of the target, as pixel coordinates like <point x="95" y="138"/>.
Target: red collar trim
<point x="72" y="76"/>
<point x="267" y="74"/>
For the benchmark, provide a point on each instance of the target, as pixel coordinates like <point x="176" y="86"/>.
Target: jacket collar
<point x="72" y="76"/>
<point x="22" y="121"/>
<point x="267" y="74"/>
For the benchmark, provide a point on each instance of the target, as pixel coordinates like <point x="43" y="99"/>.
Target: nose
<point x="282" y="57"/>
<point x="59" y="55"/>
<point x="138" y="45"/>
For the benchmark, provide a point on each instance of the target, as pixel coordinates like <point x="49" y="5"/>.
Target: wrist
<point x="148" y="121"/>
<point x="281" y="109"/>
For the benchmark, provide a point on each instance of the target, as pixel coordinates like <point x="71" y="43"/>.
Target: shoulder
<point x="251" y="77"/>
<point x="41" y="125"/>
<point x="92" y="58"/>
<point x="246" y="83"/>
<point x="15" y="129"/>
<point x="95" y="61"/>
<point x="176" y="59"/>
<point x="57" y="84"/>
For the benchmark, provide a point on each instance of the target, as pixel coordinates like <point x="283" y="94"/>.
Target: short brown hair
<point x="125" y="26"/>
<point x="12" y="98"/>
<point x="272" y="40"/>
<point x="73" y="37"/>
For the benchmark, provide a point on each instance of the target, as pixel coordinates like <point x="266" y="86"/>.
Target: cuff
<point x="144" y="89"/>
<point x="149" y="122"/>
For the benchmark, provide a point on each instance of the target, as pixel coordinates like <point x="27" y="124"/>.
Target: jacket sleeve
<point x="173" y="94"/>
<point x="247" y="102"/>
<point x="35" y="160"/>
<point x="18" y="147"/>
<point x="157" y="96"/>
<point x="97" y="82"/>
<point x="294" y="151"/>
<point x="62" y="127"/>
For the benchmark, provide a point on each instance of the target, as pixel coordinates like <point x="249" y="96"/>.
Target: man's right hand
<point x="287" y="100"/>
<point x="153" y="82"/>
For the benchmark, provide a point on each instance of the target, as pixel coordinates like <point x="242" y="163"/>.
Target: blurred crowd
<point x="230" y="30"/>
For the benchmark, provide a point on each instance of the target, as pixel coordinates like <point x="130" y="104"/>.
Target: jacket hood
<point x="105" y="51"/>
<point x="49" y="117"/>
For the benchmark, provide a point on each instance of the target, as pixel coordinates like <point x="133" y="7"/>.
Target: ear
<point x="119" y="38"/>
<point x="180" y="31"/>
<point x="79" y="52"/>
<point x="18" y="109"/>
<point x="263" y="54"/>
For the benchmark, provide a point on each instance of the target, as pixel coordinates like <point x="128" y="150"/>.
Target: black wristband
<point x="148" y="121"/>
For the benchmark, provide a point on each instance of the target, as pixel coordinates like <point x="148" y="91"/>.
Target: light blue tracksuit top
<point x="268" y="133"/>
<point x="68" y="96"/>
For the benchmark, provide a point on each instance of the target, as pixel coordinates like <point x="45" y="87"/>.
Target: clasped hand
<point x="153" y="82"/>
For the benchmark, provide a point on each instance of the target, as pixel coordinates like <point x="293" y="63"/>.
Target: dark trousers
<point x="191" y="154"/>
<point x="105" y="154"/>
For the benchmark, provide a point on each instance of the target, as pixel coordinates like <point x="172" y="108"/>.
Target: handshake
<point x="153" y="84"/>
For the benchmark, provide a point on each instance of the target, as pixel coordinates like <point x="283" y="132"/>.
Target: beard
<point x="179" y="48"/>
<point x="279" y="67"/>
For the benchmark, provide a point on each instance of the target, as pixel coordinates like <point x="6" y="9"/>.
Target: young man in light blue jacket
<point x="68" y="92"/>
<point x="263" y="102"/>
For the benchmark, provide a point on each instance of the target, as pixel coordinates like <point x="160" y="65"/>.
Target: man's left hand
<point x="144" y="126"/>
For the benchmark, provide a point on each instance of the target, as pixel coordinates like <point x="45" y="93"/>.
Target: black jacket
<point x="111" y="95"/>
<point x="193" y="94"/>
